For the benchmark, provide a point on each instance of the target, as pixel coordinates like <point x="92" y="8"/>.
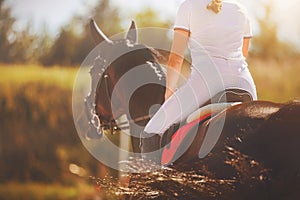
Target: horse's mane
<point x="135" y="55"/>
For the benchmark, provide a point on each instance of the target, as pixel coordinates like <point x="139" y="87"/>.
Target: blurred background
<point x="42" y="44"/>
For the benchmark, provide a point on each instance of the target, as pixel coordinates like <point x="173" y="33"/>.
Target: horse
<point x="258" y="141"/>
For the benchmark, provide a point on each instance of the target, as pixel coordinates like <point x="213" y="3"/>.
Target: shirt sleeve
<point x="247" y="29"/>
<point x="182" y="20"/>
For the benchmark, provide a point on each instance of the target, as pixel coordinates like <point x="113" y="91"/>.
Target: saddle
<point x="176" y="134"/>
<point x="220" y="102"/>
<point x="231" y="95"/>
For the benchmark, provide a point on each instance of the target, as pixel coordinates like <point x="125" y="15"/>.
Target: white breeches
<point x="204" y="82"/>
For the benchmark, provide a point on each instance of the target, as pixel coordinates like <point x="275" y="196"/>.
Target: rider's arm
<point x="246" y="43"/>
<point x="176" y="58"/>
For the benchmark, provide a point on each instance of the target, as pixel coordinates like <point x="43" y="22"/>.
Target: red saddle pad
<point x="178" y="137"/>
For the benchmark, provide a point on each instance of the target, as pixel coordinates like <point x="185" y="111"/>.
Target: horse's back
<point x="246" y="125"/>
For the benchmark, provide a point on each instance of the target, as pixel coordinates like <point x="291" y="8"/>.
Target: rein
<point x="123" y="125"/>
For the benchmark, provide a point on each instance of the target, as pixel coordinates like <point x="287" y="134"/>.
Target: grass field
<point x="62" y="77"/>
<point x="35" y="191"/>
<point x="275" y="80"/>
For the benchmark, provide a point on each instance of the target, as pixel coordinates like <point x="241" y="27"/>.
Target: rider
<point x="218" y="36"/>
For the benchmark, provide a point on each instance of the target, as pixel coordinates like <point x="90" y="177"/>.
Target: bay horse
<point x="259" y="140"/>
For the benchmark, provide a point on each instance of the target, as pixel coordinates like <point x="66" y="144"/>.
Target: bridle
<point x="96" y="121"/>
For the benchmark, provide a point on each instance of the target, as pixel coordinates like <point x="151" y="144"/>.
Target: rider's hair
<point x="215" y="6"/>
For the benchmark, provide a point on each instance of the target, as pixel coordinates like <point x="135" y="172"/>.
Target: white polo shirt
<point x="220" y="35"/>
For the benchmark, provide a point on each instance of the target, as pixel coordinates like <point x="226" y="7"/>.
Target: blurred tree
<point x="62" y="50"/>
<point x="107" y="17"/>
<point x="159" y="35"/>
<point x="267" y="44"/>
<point x="16" y="46"/>
<point x="74" y="41"/>
<point x="7" y="35"/>
<point x="24" y="48"/>
<point x="150" y="18"/>
<point x="43" y="43"/>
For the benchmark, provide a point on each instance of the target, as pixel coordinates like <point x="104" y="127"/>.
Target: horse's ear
<point x="97" y="34"/>
<point x="132" y="33"/>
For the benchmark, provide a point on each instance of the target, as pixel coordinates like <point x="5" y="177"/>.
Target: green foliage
<point x="150" y="18"/>
<point x="276" y="80"/>
<point x="267" y="44"/>
<point x="6" y="32"/>
<point x="74" y="42"/>
<point x="63" y="50"/>
<point x="69" y="48"/>
<point x="107" y="17"/>
<point x="38" y="139"/>
<point x="16" y="46"/>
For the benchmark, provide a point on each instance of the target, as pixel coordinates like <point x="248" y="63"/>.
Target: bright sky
<point x="54" y="13"/>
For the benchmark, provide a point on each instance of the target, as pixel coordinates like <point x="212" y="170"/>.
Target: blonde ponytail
<point x="215" y="6"/>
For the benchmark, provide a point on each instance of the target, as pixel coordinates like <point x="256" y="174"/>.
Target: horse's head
<point x="126" y="79"/>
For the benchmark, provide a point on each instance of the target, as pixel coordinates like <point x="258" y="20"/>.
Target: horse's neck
<point x="142" y="89"/>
